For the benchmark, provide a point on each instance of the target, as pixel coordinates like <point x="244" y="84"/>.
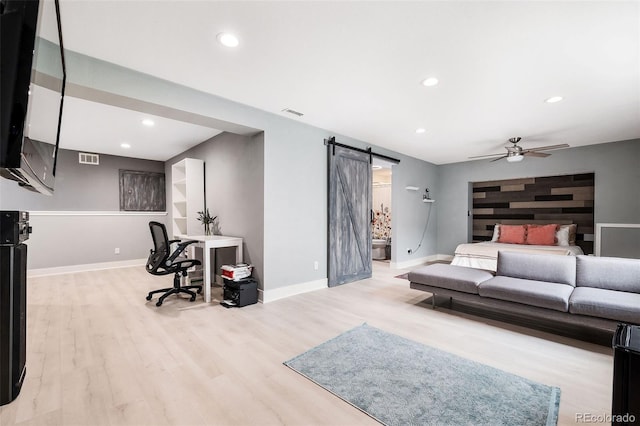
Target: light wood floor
<point x="100" y="354"/>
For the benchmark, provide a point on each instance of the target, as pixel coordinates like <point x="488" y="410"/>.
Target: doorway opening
<point x="381" y="211"/>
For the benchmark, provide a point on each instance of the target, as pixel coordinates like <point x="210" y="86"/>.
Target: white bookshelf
<point x="187" y="196"/>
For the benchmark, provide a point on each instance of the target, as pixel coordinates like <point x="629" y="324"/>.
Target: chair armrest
<point x="187" y="263"/>
<point x="181" y="246"/>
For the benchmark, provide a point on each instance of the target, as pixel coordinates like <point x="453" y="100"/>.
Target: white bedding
<point x="485" y="255"/>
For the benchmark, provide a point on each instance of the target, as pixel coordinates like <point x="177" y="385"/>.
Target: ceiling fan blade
<point x="499" y="158"/>
<point x="550" y="147"/>
<point x="535" y="154"/>
<point x="487" y="155"/>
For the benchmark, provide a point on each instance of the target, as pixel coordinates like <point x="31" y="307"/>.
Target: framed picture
<point x="142" y="191"/>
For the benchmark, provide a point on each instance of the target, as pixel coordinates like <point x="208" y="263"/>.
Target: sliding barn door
<point x="349" y="215"/>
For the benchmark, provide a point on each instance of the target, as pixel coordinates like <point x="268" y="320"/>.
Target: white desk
<point x="208" y="242"/>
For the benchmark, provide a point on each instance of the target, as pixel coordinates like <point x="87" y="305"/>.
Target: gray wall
<point x="92" y="226"/>
<point x="234" y="186"/>
<point x="77" y="186"/>
<point x="295" y="178"/>
<point x="410" y="214"/>
<point x="617" y="189"/>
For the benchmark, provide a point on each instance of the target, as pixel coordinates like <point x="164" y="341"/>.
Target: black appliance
<point x="14" y="229"/>
<point x="626" y="375"/>
<point x="33" y="80"/>
<point x="240" y="293"/>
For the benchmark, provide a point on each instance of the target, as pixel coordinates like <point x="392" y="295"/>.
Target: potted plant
<point x="207" y="220"/>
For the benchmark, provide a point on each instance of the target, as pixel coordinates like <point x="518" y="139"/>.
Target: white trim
<point x="599" y="227"/>
<point x="292" y="290"/>
<point x="94" y="213"/>
<point x="415" y="262"/>
<point x="42" y="272"/>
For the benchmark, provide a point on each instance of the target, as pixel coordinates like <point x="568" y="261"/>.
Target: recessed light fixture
<point x="420" y="130"/>
<point x="228" y="39"/>
<point x="125" y="145"/>
<point x="148" y="122"/>
<point x="431" y="81"/>
<point x="553" y="99"/>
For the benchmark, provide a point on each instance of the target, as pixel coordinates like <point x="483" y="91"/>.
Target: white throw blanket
<point x="485" y="255"/>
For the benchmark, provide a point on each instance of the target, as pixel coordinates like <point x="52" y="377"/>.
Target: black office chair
<point x="162" y="262"/>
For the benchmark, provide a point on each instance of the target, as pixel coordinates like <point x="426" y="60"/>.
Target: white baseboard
<point x="421" y="261"/>
<point x="42" y="272"/>
<point x="291" y="290"/>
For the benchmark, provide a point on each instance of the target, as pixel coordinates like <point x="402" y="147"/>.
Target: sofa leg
<point x="433" y="302"/>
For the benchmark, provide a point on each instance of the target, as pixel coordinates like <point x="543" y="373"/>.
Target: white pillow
<point x="562" y="235"/>
<point x="496" y="233"/>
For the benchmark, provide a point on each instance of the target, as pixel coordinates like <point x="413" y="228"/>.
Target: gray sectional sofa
<point x="581" y="290"/>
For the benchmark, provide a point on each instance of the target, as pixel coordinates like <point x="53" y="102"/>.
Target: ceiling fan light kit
<point x="516" y="153"/>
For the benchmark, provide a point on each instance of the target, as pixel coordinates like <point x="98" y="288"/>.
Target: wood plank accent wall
<point x="551" y="199"/>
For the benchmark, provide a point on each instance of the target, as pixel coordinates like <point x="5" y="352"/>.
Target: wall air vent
<point x="86" y="158"/>
<point x="292" y="111"/>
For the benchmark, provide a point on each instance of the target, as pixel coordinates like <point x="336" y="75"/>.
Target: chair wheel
<point x="159" y="303"/>
<point x="192" y="299"/>
<point x="148" y="297"/>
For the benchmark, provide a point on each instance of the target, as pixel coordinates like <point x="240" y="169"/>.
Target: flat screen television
<point x="33" y="78"/>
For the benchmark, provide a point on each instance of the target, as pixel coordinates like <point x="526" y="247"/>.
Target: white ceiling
<point x="355" y="67"/>
<point x="111" y="126"/>
<point x="97" y="127"/>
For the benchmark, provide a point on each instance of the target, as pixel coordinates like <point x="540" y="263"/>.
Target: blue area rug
<point x="401" y="382"/>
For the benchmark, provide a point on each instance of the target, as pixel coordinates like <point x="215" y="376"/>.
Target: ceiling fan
<point x="517" y="153"/>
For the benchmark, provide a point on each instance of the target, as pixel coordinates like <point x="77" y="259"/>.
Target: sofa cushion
<point x="597" y="302"/>
<point x="451" y="277"/>
<point x="540" y="267"/>
<point x="610" y="273"/>
<point x="529" y="292"/>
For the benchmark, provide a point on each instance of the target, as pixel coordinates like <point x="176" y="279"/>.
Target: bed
<point x="484" y="255"/>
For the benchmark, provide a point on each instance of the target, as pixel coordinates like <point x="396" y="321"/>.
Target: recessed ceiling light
<point x="229" y="40"/>
<point x="431" y="81"/>
<point x="125" y="145"/>
<point x="553" y="99"/>
<point x="148" y="122"/>
<point x="420" y="130"/>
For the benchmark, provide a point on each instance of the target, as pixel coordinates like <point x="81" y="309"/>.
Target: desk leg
<point x="207" y="273"/>
<point x="239" y="253"/>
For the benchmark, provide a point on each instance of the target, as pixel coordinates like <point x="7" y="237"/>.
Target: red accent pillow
<point x="513" y="234"/>
<point x="542" y="235"/>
